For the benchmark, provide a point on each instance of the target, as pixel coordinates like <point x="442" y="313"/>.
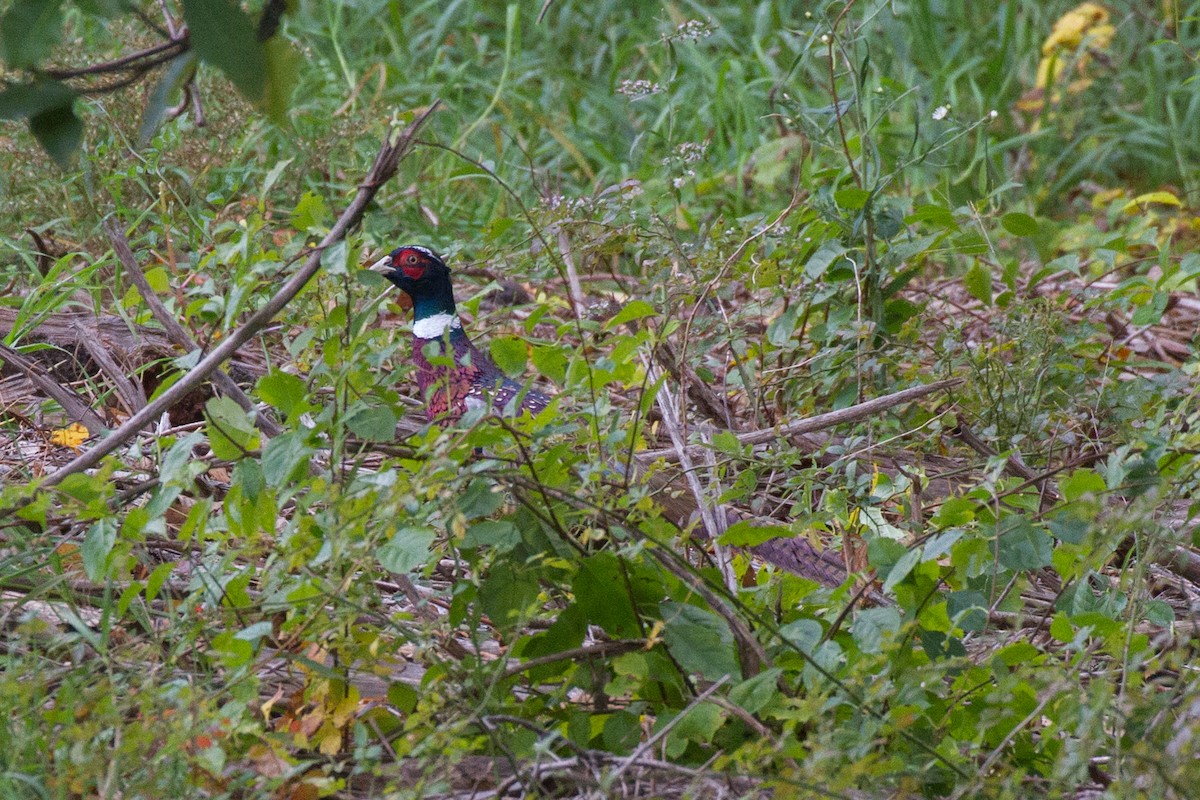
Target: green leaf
<point x="968" y="609"/>
<point x="173" y="79"/>
<point x="97" y="545"/>
<point x="901" y="568"/>
<point x="506" y="594"/>
<point x="953" y="512"/>
<point x="599" y="591"/>
<point x="311" y="213"/>
<point x="1019" y="224"/>
<point x="230" y="431"/>
<point x="699" y="640"/>
<point x="782" y="327"/>
<point x="935" y="215"/>
<point x="373" y="423"/>
<point x="550" y="361"/>
<point x="1023" y="546"/>
<point x="754" y="694"/>
<point x="283" y="455"/>
<point x="1150" y="313"/>
<point x="978" y="282"/>
<point x="480" y="499"/>
<point x="59" y="132"/>
<point x="285" y="392"/>
<point x="1082" y="482"/>
<point x="500" y="535"/>
<point x="698" y="723"/>
<point x="634" y="309"/>
<point x="509" y="353"/>
<point x="872" y="625"/>
<point x="283" y="68"/>
<point x="851" y="199"/>
<point x="222" y="35"/>
<point x="746" y="534"/>
<point x="820" y="261"/>
<point x="29" y="30"/>
<point x="30" y="99"/>
<point x="408" y="549"/>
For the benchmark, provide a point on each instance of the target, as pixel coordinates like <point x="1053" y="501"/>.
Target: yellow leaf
<point x="1164" y="197"/>
<point x="71" y="436"/>
<point x="1084" y="19"/>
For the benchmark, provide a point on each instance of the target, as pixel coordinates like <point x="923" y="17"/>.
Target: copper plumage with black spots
<point x="473" y="380"/>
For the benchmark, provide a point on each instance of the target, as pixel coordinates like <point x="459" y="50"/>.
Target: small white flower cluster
<point x="638" y="88"/>
<point x="679" y="181"/>
<point x="693" y="30"/>
<point x="940" y="113"/>
<point x="572" y="206"/>
<point x="691" y="152"/>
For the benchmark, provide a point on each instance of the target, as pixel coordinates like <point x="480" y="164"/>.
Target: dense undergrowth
<point x="795" y="208"/>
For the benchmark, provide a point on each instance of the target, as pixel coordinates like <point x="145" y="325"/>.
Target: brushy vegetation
<point x="693" y="221"/>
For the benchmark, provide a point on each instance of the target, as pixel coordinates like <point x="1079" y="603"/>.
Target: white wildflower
<point x="638" y="88"/>
<point x="940" y="113"/>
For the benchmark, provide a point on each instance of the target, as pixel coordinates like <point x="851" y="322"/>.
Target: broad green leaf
<point x="1082" y="482"/>
<point x="506" y="593"/>
<point x="551" y="362"/>
<point x="852" y="199"/>
<point x="283" y="67"/>
<point x="935" y="215"/>
<point x="746" y="534"/>
<point x="283" y="455"/>
<point x="59" y="132"/>
<point x="1150" y="313"/>
<point x="30" y="99"/>
<point x="820" y="261"/>
<point x="500" y="535"/>
<point x="224" y="36"/>
<point x="978" y="281"/>
<point x="509" y="353"/>
<point x="311" y="213"/>
<point x="1019" y="224"/>
<point x="634" y="309"/>
<point x="1068" y="527"/>
<point x="968" y="609"/>
<point x="698" y="723"/>
<point x="285" y="392"/>
<point x="480" y="499"/>
<point x="782" y="327"/>
<point x="97" y="545"/>
<point x="754" y="694"/>
<point x="872" y="625"/>
<point x="408" y="549"/>
<point x="954" y="511"/>
<point x="1023" y="546"/>
<point x="901" y="568"/>
<point x="373" y="423"/>
<point x="230" y="431"/>
<point x="173" y="79"/>
<point x="599" y="591"/>
<point x="699" y="640"/>
<point x="28" y="31"/>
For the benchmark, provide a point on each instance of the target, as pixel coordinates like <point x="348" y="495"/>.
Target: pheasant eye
<point x="412" y="266"/>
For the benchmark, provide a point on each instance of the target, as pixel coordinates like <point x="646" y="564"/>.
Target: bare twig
<point x="76" y="407"/>
<point x="393" y="149"/>
<point x="843" y="416"/>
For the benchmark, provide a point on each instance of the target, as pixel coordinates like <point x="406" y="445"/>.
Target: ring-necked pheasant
<point x="474" y="380"/>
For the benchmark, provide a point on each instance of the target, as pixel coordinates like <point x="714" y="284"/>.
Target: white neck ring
<point x="435" y="326"/>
